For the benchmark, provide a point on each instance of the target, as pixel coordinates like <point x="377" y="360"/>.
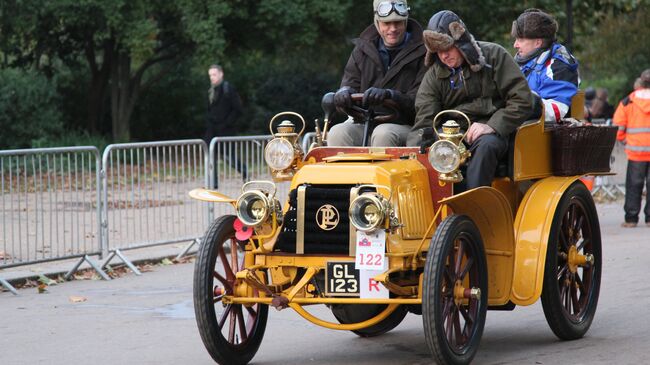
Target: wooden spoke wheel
<point x="454" y="299"/>
<point x="573" y="265"/>
<point x="231" y="333"/>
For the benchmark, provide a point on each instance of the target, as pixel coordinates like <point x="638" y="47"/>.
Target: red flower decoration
<point x="242" y="232"/>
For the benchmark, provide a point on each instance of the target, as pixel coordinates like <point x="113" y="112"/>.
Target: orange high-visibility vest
<point x="633" y="120"/>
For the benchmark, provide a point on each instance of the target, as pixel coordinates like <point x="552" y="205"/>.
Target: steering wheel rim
<point x="357" y="111"/>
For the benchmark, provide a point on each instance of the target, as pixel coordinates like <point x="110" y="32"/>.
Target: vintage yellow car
<point x="375" y="233"/>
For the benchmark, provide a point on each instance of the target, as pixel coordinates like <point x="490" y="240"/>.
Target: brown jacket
<point x="365" y="69"/>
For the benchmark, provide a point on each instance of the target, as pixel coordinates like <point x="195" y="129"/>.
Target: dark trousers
<point x="487" y="150"/>
<point x="638" y="174"/>
<point x="234" y="162"/>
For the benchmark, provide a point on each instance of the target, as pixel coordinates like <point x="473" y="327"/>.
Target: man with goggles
<point x="387" y="63"/>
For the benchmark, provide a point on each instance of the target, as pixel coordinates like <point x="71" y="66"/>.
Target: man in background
<point x="224" y="107"/>
<point x="633" y="120"/>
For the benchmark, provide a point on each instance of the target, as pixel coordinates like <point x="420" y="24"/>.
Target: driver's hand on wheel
<point x="375" y="96"/>
<point x="343" y="99"/>
<point x="476" y="130"/>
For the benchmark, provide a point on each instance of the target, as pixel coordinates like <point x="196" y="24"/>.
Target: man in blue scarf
<point x="549" y="68"/>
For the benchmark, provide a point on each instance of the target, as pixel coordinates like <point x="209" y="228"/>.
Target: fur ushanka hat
<point x="534" y="23"/>
<point x="446" y="30"/>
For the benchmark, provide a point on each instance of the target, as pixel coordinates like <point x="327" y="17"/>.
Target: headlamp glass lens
<point x="371" y="213"/>
<point x="279" y="154"/>
<point x="252" y="208"/>
<point x="444" y="156"/>
<point x="366" y="213"/>
<point x="257" y="209"/>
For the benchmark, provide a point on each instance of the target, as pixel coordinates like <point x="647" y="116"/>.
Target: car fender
<point x="490" y="211"/>
<point x="212" y="196"/>
<point x="532" y="229"/>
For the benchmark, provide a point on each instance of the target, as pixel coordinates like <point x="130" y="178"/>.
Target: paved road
<point x="149" y="320"/>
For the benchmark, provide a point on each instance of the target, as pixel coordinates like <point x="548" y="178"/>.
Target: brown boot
<point x="628" y="224"/>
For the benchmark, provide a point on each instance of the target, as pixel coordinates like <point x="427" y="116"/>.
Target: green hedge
<point x="29" y="109"/>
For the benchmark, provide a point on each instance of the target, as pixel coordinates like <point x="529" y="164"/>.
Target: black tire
<point x="570" y="292"/>
<point x="231" y="333"/>
<point x="354" y="313"/>
<point x="453" y="327"/>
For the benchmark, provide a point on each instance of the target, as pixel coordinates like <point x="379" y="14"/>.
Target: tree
<point x="127" y="44"/>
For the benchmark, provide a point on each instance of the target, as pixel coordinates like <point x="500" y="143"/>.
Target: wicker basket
<point x="581" y="149"/>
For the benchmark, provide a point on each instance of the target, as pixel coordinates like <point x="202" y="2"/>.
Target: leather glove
<point x="343" y="99"/>
<point x="375" y="96"/>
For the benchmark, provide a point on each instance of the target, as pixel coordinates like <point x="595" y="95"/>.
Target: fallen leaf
<point x="42" y="288"/>
<point x="30" y="284"/>
<point x="145" y="268"/>
<point x="184" y="260"/>
<point x="45" y="280"/>
<point x="166" y="262"/>
<point x="77" y="299"/>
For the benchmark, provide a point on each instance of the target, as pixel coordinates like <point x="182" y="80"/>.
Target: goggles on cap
<point x="384" y="8"/>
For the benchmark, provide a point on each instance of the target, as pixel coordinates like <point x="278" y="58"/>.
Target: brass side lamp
<point x="283" y="152"/>
<point x="448" y="152"/>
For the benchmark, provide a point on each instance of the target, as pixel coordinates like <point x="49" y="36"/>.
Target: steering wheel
<point x="389" y="114"/>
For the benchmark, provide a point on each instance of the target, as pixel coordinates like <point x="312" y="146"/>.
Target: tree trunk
<point x="124" y="93"/>
<point x="95" y="104"/>
<point x="100" y="76"/>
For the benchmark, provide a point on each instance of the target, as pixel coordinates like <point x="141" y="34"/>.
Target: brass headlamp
<point x="448" y="152"/>
<point x="283" y="152"/>
<point x="256" y="206"/>
<point x="371" y="211"/>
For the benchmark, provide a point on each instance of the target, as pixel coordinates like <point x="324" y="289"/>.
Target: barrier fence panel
<point x="235" y="160"/>
<point x="307" y="140"/>
<point x="145" y="200"/>
<point x="50" y="201"/>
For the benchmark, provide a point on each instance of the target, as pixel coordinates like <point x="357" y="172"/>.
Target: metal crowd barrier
<point x="145" y="200"/>
<point x="50" y="200"/>
<point x="611" y="186"/>
<point x="307" y="140"/>
<point x="63" y="203"/>
<point x="235" y="160"/>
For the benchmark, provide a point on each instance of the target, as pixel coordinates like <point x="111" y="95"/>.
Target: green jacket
<point x="497" y="94"/>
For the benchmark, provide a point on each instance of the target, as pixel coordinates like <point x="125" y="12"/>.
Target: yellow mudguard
<point x="490" y="211"/>
<point x="532" y="230"/>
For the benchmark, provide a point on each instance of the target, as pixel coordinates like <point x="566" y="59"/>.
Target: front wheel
<point x="454" y="298"/>
<point x="231" y="333"/>
<point x="573" y="265"/>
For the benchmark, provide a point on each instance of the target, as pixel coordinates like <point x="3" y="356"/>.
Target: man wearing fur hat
<point x="478" y="78"/>
<point x="551" y="71"/>
<point x="386" y="63"/>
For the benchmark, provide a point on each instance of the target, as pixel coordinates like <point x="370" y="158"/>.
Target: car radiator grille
<point x="317" y="238"/>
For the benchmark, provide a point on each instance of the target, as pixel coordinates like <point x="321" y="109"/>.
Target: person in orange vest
<point x="633" y="120"/>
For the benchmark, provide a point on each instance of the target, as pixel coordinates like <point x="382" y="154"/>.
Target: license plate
<point x="341" y="279"/>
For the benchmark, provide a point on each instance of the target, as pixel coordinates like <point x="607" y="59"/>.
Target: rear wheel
<point x="454" y="298"/>
<point x="348" y="313"/>
<point x="573" y="265"/>
<point x="231" y="333"/>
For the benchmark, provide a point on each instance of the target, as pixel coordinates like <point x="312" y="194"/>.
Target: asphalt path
<point x="149" y="319"/>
